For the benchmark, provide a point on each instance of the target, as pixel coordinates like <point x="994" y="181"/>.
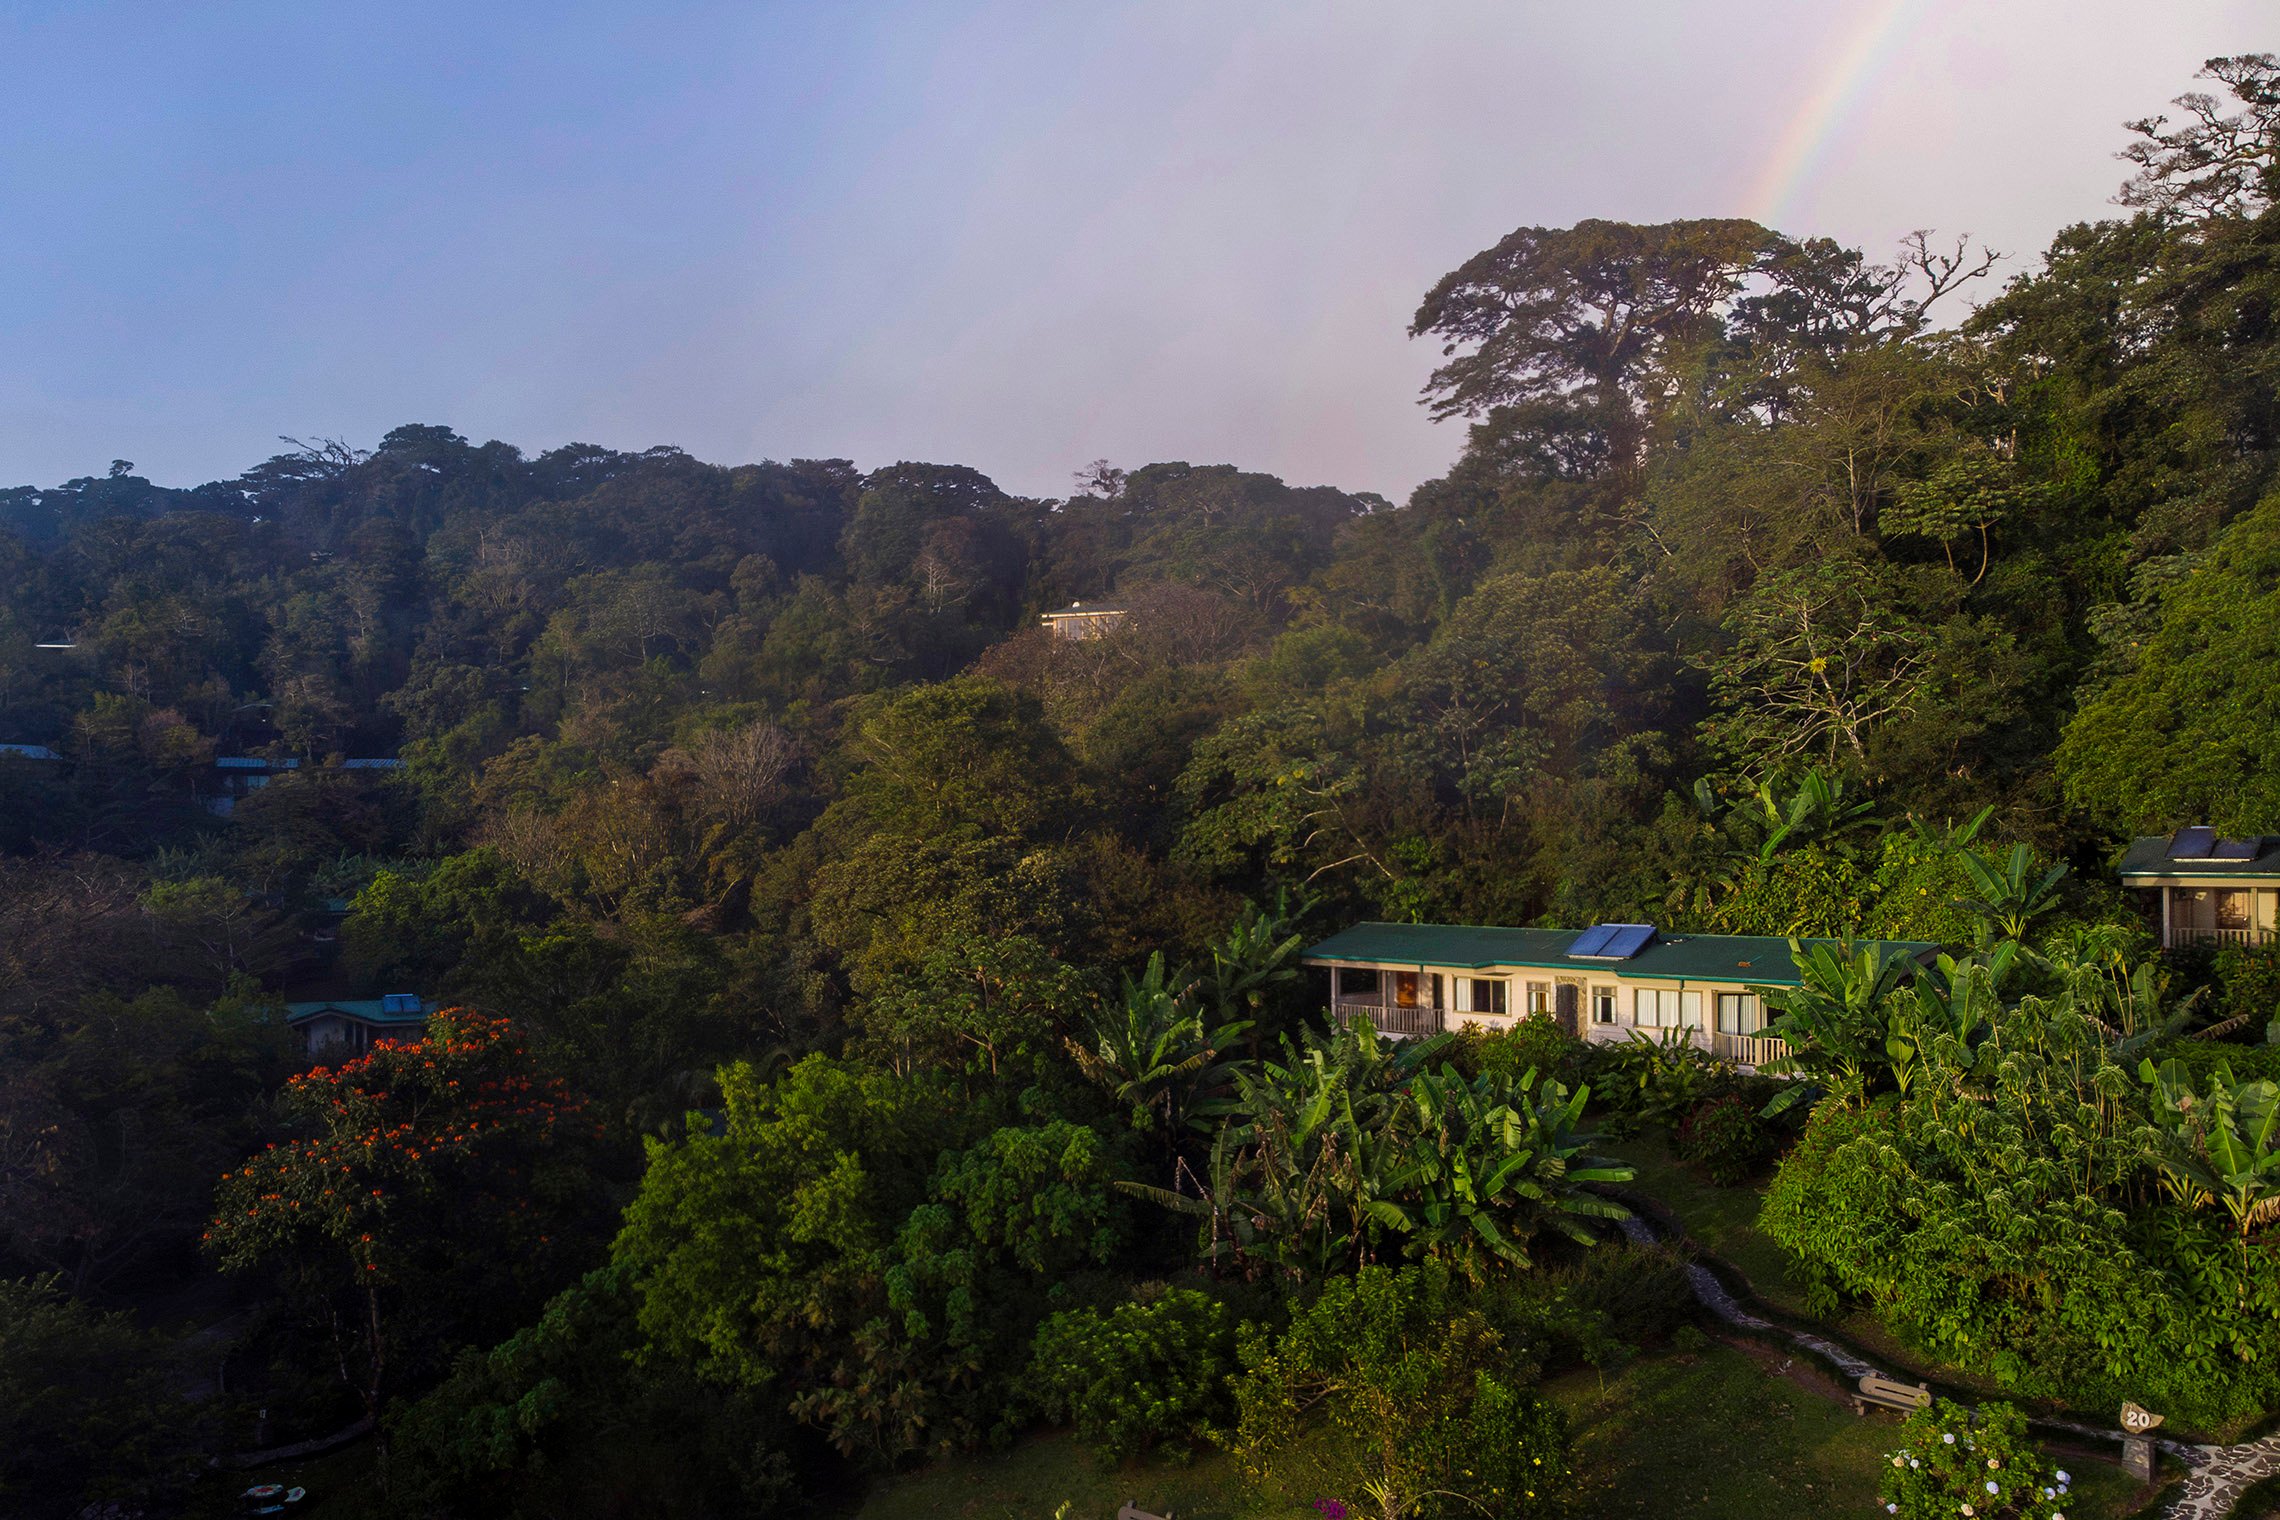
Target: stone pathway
<point x="2216" y="1476"/>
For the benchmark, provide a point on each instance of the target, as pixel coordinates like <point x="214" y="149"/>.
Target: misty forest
<point x="814" y="948"/>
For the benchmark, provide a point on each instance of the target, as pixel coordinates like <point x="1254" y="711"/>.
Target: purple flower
<point x="1330" y="1509"/>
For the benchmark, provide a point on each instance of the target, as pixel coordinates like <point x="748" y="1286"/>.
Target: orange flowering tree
<point x="416" y="1172"/>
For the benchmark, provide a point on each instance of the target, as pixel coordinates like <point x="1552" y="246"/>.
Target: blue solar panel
<point x="1592" y="941"/>
<point x="1629" y="940"/>
<point x="2237" y="849"/>
<point x="2192" y="844"/>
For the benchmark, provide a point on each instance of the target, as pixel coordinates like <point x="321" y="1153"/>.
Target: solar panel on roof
<point x="2237" y="849"/>
<point x="1628" y="940"/>
<point x="1592" y="941"/>
<point x="2192" y="844"/>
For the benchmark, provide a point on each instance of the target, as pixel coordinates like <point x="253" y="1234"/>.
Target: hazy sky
<point x="1018" y="237"/>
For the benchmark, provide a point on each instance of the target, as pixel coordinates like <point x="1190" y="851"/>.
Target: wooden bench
<point x="1890" y="1393"/>
<point x="1133" y="1511"/>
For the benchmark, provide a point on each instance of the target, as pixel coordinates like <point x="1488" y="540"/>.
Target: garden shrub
<point x="1726" y="1138"/>
<point x="1595" y="1311"/>
<point x="1919" y="887"/>
<point x="2248" y="978"/>
<point x="1536" y="1043"/>
<point x="2201" y="1057"/>
<point x="1950" y="1464"/>
<point x="1423" y="1406"/>
<point x="1812" y="893"/>
<point x="1984" y="1240"/>
<point x="1141" y="1375"/>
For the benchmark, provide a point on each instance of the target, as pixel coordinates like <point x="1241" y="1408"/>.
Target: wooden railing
<point x="2180" y="935"/>
<point x="1747" y="1049"/>
<point x="1387" y="1018"/>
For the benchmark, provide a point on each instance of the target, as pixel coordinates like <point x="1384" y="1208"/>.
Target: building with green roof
<point x="344" y="1028"/>
<point x="1600" y="983"/>
<point x="2209" y="889"/>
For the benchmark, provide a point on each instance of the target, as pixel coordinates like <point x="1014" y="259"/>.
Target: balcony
<point x="1751" y="1050"/>
<point x="2192" y="934"/>
<point x="1387" y="1018"/>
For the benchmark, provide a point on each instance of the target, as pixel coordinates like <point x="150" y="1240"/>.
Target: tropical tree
<point x="424" y="1172"/>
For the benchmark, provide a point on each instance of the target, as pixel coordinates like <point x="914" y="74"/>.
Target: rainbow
<point x="1799" y="149"/>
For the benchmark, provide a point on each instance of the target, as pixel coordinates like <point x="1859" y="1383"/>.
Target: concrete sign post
<point x="2137" y="1441"/>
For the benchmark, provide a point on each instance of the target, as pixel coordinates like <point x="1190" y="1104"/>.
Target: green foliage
<point x="1953" y="1460"/>
<point x="1149" y="1050"/>
<point x="2009" y="897"/>
<point x="1145" y="1374"/>
<point x="2186" y="731"/>
<point x="1534" y="1043"/>
<point x="89" y="1412"/>
<point x="1347" y="1147"/>
<point x="566" y="1417"/>
<point x="2001" y="1215"/>
<point x="1726" y="1137"/>
<point x="2221" y="1141"/>
<point x="1410" y="1377"/>
<point x="2250" y="978"/>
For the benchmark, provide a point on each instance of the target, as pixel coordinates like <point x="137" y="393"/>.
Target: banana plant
<point x="1253" y="961"/>
<point x="1485" y="1166"/>
<point x="1151" y="1050"/>
<point x="1958" y="1004"/>
<point x="1835" y="1023"/>
<point x="2222" y="1144"/>
<point x="2011" y="896"/>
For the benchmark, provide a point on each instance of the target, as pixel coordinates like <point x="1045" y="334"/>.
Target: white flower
<point x="1994" y="1462"/>
<point x="1967" y="1509"/>
<point x="1991" y="1488"/>
<point x="2064" y="1476"/>
<point x="1912" y="1462"/>
<point x="1892" y="1509"/>
<point x="1949" y="1437"/>
<point x="2050" y="1493"/>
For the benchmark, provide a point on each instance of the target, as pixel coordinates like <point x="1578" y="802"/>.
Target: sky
<point x="1014" y="236"/>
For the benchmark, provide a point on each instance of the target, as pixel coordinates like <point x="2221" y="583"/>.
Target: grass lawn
<point x="1034" y="1479"/>
<point x="1723" y="1220"/>
<point x="1711" y="1436"/>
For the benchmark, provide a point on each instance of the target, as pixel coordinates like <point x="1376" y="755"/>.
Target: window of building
<point x="2232" y="909"/>
<point x="1357" y="982"/>
<point x="2191" y="909"/>
<point x="1737" y="1013"/>
<point x="1539" y="997"/>
<point x="1654" y="1008"/>
<point x="1486" y="995"/>
<point x="1602" y="1005"/>
<point x="1690" y="1010"/>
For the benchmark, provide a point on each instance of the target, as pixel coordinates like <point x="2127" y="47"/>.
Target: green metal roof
<point x="1758" y="958"/>
<point x="387" y="1010"/>
<point x="2151" y="857"/>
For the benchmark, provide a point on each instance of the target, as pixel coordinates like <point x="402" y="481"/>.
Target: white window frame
<point x="1744" y="1007"/>
<point x="1603" y="1001"/>
<point x="1540" y="999"/>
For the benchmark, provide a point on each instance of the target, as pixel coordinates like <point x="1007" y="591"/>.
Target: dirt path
<point x="2216" y="1476"/>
